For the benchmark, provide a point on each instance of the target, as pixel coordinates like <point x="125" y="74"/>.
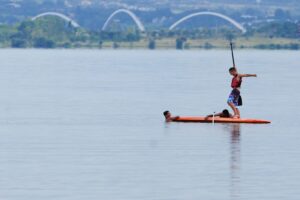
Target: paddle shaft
<point x="232" y="55"/>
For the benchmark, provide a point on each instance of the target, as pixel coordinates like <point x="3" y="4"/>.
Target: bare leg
<point x="235" y="110"/>
<point x="238" y="112"/>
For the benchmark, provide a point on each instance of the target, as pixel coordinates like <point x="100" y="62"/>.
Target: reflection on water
<point x="82" y="124"/>
<point x="235" y="159"/>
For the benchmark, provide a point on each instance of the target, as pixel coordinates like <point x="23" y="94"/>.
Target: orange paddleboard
<point x="220" y="120"/>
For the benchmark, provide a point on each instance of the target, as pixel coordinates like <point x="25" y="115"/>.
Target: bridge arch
<point x="131" y="14"/>
<point x="232" y="21"/>
<point x="62" y="16"/>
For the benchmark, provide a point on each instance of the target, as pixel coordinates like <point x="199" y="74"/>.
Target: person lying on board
<point x="235" y="99"/>
<point x="225" y="114"/>
<point x="169" y="117"/>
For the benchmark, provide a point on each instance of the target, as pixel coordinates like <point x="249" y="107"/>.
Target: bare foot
<point x="236" y="117"/>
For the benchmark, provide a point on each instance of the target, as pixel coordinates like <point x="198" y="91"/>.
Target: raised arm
<point x="247" y="75"/>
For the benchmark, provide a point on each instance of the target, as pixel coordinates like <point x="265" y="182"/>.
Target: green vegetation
<point x="52" y="32"/>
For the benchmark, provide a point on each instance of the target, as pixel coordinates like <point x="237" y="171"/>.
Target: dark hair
<point x="232" y="69"/>
<point x="166" y="112"/>
<point x="226" y="113"/>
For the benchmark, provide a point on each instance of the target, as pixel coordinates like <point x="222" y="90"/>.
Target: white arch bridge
<point x="128" y="12"/>
<point x="138" y="21"/>
<point x="232" y="21"/>
<point x="62" y="16"/>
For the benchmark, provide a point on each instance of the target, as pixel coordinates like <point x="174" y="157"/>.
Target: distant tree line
<point x="52" y="32"/>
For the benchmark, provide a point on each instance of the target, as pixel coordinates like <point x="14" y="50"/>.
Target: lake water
<point x="88" y="124"/>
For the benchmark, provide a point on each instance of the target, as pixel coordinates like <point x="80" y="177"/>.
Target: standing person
<point x="235" y="98"/>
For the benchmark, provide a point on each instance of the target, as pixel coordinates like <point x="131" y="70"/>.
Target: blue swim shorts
<point x="235" y="98"/>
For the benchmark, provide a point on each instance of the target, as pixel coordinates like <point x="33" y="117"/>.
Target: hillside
<point x="92" y="14"/>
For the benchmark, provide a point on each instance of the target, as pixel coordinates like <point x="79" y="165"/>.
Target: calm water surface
<point x="88" y="124"/>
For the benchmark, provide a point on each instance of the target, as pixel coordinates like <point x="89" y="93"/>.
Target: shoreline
<point x="186" y="44"/>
